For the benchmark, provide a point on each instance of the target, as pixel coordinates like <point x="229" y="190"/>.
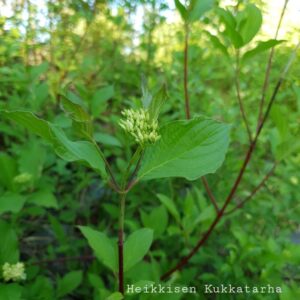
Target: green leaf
<point x="40" y="289"/>
<point x="103" y="247"/>
<point x="146" y="95"/>
<point x="68" y="150"/>
<point x="9" y="250"/>
<point x="82" y="122"/>
<point x="187" y="148"/>
<point x="31" y="122"/>
<point x="32" y="158"/>
<point x="287" y="147"/>
<point x="95" y="281"/>
<point x="74" y="110"/>
<point x="279" y="115"/>
<point x="285" y="142"/>
<point x="107" y="139"/>
<point x="136" y="247"/>
<point x="217" y="43"/>
<point x="10" y="202"/>
<point x="77" y="151"/>
<point x="69" y="283"/>
<point x="230" y="27"/>
<point x="43" y="198"/>
<point x="226" y="17"/>
<point x="115" y="296"/>
<point x="36" y="71"/>
<point x="261" y="47"/>
<point x="99" y="100"/>
<point x="198" y="8"/>
<point x="182" y="10"/>
<point x="169" y="204"/>
<point x="8" y="170"/>
<point x="157" y="102"/>
<point x="157" y="220"/>
<point x="252" y="23"/>
<point x="11" y="291"/>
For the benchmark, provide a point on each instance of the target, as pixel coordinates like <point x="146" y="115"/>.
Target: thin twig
<point x="254" y="191"/>
<point x="135" y="157"/>
<point x="121" y="243"/>
<point x="128" y="184"/>
<point x="113" y="183"/>
<point x="185" y="80"/>
<point x="239" y="96"/>
<point x="210" y="194"/>
<point x="268" y="69"/>
<point x="132" y="181"/>
<point x="277" y="86"/>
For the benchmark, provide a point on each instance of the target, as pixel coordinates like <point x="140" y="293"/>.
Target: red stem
<point x="268" y="69"/>
<point x="254" y="191"/>
<point x="185" y="81"/>
<point x="239" y="96"/>
<point x="121" y="262"/>
<point x="210" y="194"/>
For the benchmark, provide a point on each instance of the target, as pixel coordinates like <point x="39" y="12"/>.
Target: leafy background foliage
<point x="89" y="54"/>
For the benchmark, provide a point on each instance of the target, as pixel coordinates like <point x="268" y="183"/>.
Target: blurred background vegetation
<point x="95" y="52"/>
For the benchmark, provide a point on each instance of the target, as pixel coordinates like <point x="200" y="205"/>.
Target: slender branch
<point x="113" y="183"/>
<point x="126" y="186"/>
<point x="268" y="69"/>
<point x="185" y="80"/>
<point x="210" y="194"/>
<point x="239" y="97"/>
<point x="121" y="243"/>
<point x="132" y="180"/>
<point x="254" y="191"/>
<point x="135" y="157"/>
<point x="247" y="158"/>
<point x="277" y="86"/>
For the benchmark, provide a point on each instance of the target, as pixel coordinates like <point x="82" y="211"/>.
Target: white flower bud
<point x="14" y="272"/>
<point x="138" y="124"/>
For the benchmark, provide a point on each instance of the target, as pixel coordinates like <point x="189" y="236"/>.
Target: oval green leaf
<point x="136" y="247"/>
<point x="103" y="247"/>
<point x="188" y="148"/>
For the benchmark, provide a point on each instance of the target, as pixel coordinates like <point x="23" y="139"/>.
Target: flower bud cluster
<point x="14" y="272"/>
<point x="138" y="124"/>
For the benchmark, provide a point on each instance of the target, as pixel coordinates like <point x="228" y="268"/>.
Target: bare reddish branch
<point x="121" y="261"/>
<point x="268" y="69"/>
<point x="210" y="194"/>
<point x="254" y="191"/>
<point x="239" y="96"/>
<point x="185" y="80"/>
